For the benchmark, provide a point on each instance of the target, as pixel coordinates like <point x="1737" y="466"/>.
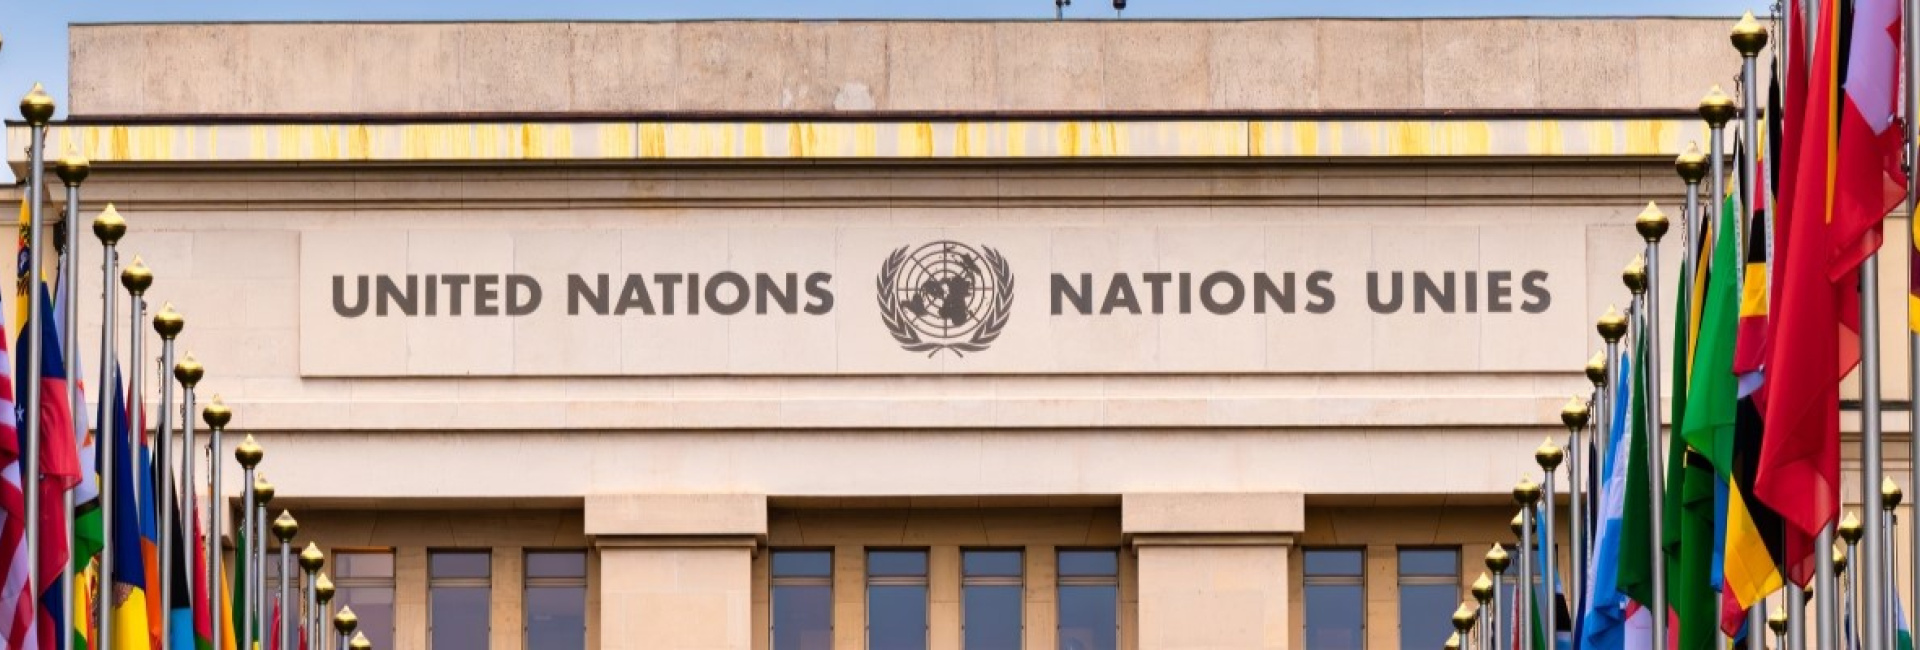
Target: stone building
<point x="814" y="335"/>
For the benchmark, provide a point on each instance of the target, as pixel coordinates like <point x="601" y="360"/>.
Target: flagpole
<point x="1527" y="495"/>
<point x="317" y="620"/>
<point x="109" y="227"/>
<point x="345" y="621"/>
<point x="1463" y="617"/>
<point x="1586" y="486"/>
<point x="1850" y="532"/>
<point x="136" y="278"/>
<point x="168" y="324"/>
<point x="1777" y="622"/>
<point x="1549" y="456"/>
<point x="262" y="495"/>
<point x="1795" y="616"/>
<point x="216" y="415"/>
<point x="1889" y="499"/>
<point x="1482" y="593"/>
<point x="37" y="108"/>
<point x="1748" y="37"/>
<point x="1873" y="556"/>
<point x="188" y="372"/>
<point x="72" y="170"/>
<point x="1497" y="561"/>
<point x="311" y="560"/>
<point x="284" y="528"/>
<point x="1911" y="35"/>
<point x="249" y="454"/>
<point x="1652" y="224"/>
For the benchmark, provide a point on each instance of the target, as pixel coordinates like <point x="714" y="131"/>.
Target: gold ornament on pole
<point x="360" y="642"/>
<point x="343" y="623"/>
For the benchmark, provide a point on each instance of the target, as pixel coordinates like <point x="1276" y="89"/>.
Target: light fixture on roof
<point x="1119" y="8"/>
<point x="1060" y="9"/>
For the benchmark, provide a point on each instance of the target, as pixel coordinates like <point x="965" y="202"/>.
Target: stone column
<point x="1212" y="567"/>
<point x="676" y="571"/>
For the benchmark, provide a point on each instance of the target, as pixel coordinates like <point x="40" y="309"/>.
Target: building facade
<point x="770" y="335"/>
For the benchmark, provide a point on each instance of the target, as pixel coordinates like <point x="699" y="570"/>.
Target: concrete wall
<point x="868" y="67"/>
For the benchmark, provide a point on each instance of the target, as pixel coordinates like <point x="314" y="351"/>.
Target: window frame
<point x="1062" y="581"/>
<point x="1401" y="580"/>
<point x="343" y="584"/>
<point x="924" y="582"/>
<point x="530" y="582"/>
<point x="485" y="584"/>
<point x="1356" y="580"/>
<point x="775" y="581"/>
<point x="1018" y="581"/>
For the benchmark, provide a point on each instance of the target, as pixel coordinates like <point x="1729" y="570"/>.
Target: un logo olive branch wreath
<point x="982" y="325"/>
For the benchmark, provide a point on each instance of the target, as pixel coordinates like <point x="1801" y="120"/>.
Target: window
<point x="1429" y="591"/>
<point x="1336" y="600"/>
<point x="897" y="600"/>
<point x="556" y="600"/>
<point x="991" y="617"/>
<point x="458" y="586"/>
<point x="1089" y="600"/>
<point x="802" y="614"/>
<point x="364" y="581"/>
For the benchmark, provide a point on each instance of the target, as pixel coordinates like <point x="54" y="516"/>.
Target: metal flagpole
<point x="1911" y="34"/>
<point x="1778" y="623"/>
<point x="1850" y="532"/>
<point x="1527" y="495"/>
<point x="37" y="108"/>
<point x="1463" y="618"/>
<point x="1482" y="593"/>
<point x="1748" y="38"/>
<point x="1795" y="615"/>
<point x="343" y="623"/>
<point x="1876" y="611"/>
<point x="72" y="170"/>
<point x="136" y="279"/>
<point x="249" y="454"/>
<point x="1889" y="499"/>
<point x="1549" y="456"/>
<point x="1652" y="224"/>
<point x="188" y="372"/>
<point x="317" y="620"/>
<point x="217" y="415"/>
<point x="1589" y="485"/>
<point x="1575" y="415"/>
<point x="108" y="227"/>
<point x="262" y="495"/>
<point x="1497" y="561"/>
<point x="311" y="560"/>
<point x="284" y="528"/>
<point x="168" y="324"/>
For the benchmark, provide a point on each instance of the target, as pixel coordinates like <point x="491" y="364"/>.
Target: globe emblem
<point x="945" y="296"/>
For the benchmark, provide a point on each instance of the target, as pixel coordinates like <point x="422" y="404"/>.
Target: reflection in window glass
<point x="1089" y="600"/>
<point x="897" y="600"/>
<point x="556" y="600"/>
<point x="802" y="603"/>
<point x="991" y="617"/>
<point x="458" y="587"/>
<point x="364" y="581"/>
<point x="1429" y="591"/>
<point x="1335" y="600"/>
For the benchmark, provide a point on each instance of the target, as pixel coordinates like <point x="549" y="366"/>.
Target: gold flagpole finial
<point x="1717" y="108"/>
<point x="1691" y="164"/>
<point x="136" y="277"/>
<point x="1527" y="492"/>
<point x="1839" y="559"/>
<point x="311" y="559"/>
<point x="1597" y="369"/>
<point x="1453" y="642"/>
<point x="1613" y="324"/>
<point x="1889" y="493"/>
<point x="1749" y="36"/>
<point x="1550" y="455"/>
<point x="110" y="226"/>
<point x="345" y="621"/>
<point x="1518" y="524"/>
<point x="1635" y="275"/>
<point x="262" y="490"/>
<point x="1576" y="413"/>
<point x="189" y="371"/>
<point x="1777" y="620"/>
<point x="37" y="106"/>
<point x="1850" y="529"/>
<point x="168" y="322"/>
<point x="216" y="414"/>
<point x="359" y="642"/>
<point x="1498" y="560"/>
<point x="249" y="452"/>
<point x="1652" y="223"/>
<point x="323" y="589"/>
<point x="285" y="527"/>
<point x="72" y="168"/>
<point x="1463" y="618"/>
<point x="1483" y="588"/>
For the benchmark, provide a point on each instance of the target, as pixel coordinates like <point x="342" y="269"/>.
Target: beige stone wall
<point x="865" y="67"/>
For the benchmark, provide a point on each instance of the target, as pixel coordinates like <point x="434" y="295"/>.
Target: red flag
<point x="1836" y="196"/>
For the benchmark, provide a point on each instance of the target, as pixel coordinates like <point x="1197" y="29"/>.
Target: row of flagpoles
<point x="112" y="551"/>
<point x="1687" y="540"/>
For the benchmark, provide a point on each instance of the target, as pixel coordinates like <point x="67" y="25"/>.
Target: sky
<point x="33" y="36"/>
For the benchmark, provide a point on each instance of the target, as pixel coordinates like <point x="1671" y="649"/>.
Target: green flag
<point x="1635" y="573"/>
<point x="239" y="582"/>
<point x="1713" y="392"/>
<point x="1690" y="587"/>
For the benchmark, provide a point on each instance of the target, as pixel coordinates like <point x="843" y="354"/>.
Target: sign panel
<point x="728" y="300"/>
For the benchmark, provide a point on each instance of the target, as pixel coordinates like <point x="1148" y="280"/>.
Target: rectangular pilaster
<point x="675" y="571"/>
<point x="508" y="601"/>
<point x="410" y="598"/>
<point x="1211" y="569"/>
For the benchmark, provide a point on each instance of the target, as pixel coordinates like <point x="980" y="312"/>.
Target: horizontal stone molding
<point x="676" y="515"/>
<point x="1224" y="513"/>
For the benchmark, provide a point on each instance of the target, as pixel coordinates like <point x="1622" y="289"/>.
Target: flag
<point x="1902" y="633"/>
<point x="149" y="526"/>
<point x="202" y="595"/>
<point x="88" y="534"/>
<point x="132" y="507"/>
<point x="23" y="271"/>
<point x="17" y="626"/>
<point x="239" y="579"/>
<point x="180" y="607"/>
<point x="59" y="469"/>
<point x="1635" y="575"/>
<point x="1604" y="617"/>
<point x="1553" y="622"/>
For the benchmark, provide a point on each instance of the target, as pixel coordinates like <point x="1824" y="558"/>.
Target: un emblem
<point x="945" y="296"/>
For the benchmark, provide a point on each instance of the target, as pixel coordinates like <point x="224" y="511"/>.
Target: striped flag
<point x="59" y="468"/>
<point x="16" y="599"/>
<point x="132" y="507"/>
<point x="1603" y="624"/>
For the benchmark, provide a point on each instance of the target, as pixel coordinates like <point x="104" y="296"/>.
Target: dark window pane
<point x="802" y="563"/>
<point x="1333" y="563"/>
<point x="1426" y="614"/>
<point x="557" y="618"/>
<point x="991" y="563"/>
<point x="363" y="565"/>
<point x="1089" y="563"/>
<point x="897" y="617"/>
<point x="1430" y="562"/>
<point x="897" y="563"/>
<point x="1089" y="617"/>
<point x="802" y="617"/>
<point x="458" y="565"/>
<point x="1334" y="614"/>
<point x="992" y="617"/>
<point x="459" y="618"/>
<point x="550" y="564"/>
<point x="374" y="606"/>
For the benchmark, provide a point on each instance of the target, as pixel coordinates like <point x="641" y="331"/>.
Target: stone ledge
<point x="676" y="515"/>
<point x="1183" y="514"/>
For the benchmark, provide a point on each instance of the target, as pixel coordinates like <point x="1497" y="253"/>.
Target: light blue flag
<point x="1603" y="623"/>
